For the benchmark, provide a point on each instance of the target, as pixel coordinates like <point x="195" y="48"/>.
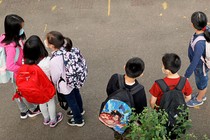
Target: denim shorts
<point x="201" y="80"/>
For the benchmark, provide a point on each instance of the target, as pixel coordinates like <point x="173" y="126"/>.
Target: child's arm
<point x="187" y="91"/>
<point x="187" y="98"/>
<point x="153" y="100"/>
<point x="112" y="84"/>
<point x="10" y="60"/>
<point x="155" y="92"/>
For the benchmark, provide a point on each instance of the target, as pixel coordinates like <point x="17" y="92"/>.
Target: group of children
<point x="33" y="51"/>
<point x="171" y="64"/>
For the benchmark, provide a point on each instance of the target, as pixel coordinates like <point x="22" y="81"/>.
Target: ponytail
<point x="67" y="44"/>
<point x="207" y="34"/>
<point x="58" y="40"/>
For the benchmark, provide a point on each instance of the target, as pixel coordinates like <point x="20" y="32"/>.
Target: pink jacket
<point x="10" y="55"/>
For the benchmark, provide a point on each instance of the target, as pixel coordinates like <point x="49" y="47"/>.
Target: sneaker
<point x="70" y="113"/>
<point x="196" y="95"/>
<point x="72" y="119"/>
<point x="24" y="115"/>
<point x="71" y="122"/>
<point x="34" y="113"/>
<point x="46" y="121"/>
<point x="194" y="102"/>
<point x="59" y="119"/>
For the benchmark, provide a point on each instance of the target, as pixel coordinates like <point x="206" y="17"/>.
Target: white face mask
<point x="21" y="31"/>
<point x="45" y="43"/>
<point x="163" y="70"/>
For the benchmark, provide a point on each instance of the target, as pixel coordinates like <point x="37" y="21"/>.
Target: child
<point x="35" y="53"/>
<point x="171" y="65"/>
<point x="133" y="69"/>
<point x="12" y="41"/>
<point x="199" y="22"/>
<point x="56" y="41"/>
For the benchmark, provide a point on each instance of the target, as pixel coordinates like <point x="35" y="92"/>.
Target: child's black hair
<point x="134" y="67"/>
<point x="199" y="21"/>
<point x="207" y="34"/>
<point x="34" y="50"/>
<point x="12" y="27"/>
<point x="58" y="40"/>
<point x="172" y="62"/>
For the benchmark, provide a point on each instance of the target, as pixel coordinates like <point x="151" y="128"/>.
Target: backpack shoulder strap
<point x="135" y="89"/>
<point x="121" y="81"/>
<point x="163" y="86"/>
<point x="181" y="83"/>
<point x="193" y="42"/>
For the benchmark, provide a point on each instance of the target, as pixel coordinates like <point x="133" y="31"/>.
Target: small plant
<point x="152" y="125"/>
<point x="148" y="125"/>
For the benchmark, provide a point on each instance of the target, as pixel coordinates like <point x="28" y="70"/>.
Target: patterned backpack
<point x="75" y="67"/>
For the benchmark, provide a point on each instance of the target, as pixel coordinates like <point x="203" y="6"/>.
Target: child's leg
<point x="45" y="113"/>
<point x="201" y="94"/>
<point x="52" y="109"/>
<point x="30" y="106"/>
<point x="79" y="100"/>
<point x="21" y="105"/>
<point x="72" y="102"/>
<point x="201" y="83"/>
<point x="55" y="118"/>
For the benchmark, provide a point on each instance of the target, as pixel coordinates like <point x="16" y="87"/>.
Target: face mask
<point x="21" y="31"/>
<point x="163" y="70"/>
<point x="45" y="43"/>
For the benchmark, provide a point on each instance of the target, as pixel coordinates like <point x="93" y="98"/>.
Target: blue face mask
<point x="21" y="31"/>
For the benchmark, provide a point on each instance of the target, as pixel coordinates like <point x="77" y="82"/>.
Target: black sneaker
<point x="71" y="122"/>
<point x="23" y="115"/>
<point x="34" y="113"/>
<point x="70" y="114"/>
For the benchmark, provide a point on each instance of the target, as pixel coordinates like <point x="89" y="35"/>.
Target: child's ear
<point x="167" y="71"/>
<point x="124" y="67"/>
<point x="141" y="75"/>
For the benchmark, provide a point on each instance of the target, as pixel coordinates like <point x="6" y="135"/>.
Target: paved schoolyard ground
<point x="108" y="32"/>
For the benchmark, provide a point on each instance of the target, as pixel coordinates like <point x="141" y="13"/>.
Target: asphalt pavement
<point x="108" y="33"/>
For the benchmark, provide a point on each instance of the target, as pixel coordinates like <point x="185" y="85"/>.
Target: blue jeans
<point x="201" y="80"/>
<point x="74" y="101"/>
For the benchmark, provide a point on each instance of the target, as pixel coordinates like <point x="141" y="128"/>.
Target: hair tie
<point x="65" y="43"/>
<point x="204" y="28"/>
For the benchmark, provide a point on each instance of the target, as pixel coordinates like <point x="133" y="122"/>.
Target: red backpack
<point x="33" y="85"/>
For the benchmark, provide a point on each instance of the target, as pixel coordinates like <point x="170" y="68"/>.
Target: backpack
<point x="171" y="101"/>
<point x="116" y="109"/>
<point x="61" y="98"/>
<point x="33" y="85"/>
<point x="6" y="75"/>
<point x="206" y="59"/>
<point x="75" y="67"/>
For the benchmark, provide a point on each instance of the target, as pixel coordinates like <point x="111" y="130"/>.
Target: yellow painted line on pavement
<point x="109" y="7"/>
<point x="45" y="28"/>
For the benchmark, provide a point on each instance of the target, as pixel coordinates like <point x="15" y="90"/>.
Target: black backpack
<point x="117" y="108"/>
<point x="171" y="100"/>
